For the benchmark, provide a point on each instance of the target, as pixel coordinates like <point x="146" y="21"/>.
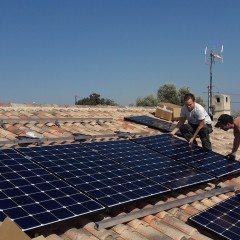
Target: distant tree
<point x="95" y="99"/>
<point x="148" y="101"/>
<point x="168" y="93"/>
<point x="200" y="101"/>
<point x="181" y="93"/>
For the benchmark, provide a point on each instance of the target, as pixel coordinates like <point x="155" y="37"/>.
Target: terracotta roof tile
<point x="215" y="199"/>
<point x="191" y="210"/>
<point x="199" y="206"/>
<point x="223" y="196"/>
<point x="54" y="237"/>
<point x="128" y="233"/>
<point x="180" y="214"/>
<point x="3" y="133"/>
<point x="146" y="230"/>
<point x="182" y="226"/>
<point x="59" y="130"/>
<point x="10" y="136"/>
<point x="79" y="234"/>
<point x="101" y="234"/>
<point x="207" y="202"/>
<point x="164" y="228"/>
<point x="199" y="236"/>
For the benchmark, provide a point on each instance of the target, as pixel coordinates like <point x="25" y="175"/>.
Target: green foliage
<point x="200" y="101"/>
<point x="181" y="93"/>
<point x="95" y="99"/>
<point x="168" y="93"/>
<point x="148" y="101"/>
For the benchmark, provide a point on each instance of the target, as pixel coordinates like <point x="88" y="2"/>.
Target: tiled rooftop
<point x="54" y="124"/>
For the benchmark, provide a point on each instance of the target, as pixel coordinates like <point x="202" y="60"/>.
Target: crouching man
<point x="199" y="122"/>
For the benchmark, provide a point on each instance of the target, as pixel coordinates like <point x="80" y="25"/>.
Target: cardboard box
<point x="168" y="111"/>
<point x="163" y="113"/>
<point x="10" y="231"/>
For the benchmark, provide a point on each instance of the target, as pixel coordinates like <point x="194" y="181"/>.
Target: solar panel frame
<point x="220" y="220"/>
<point x="103" y="179"/>
<point x="32" y="197"/>
<point x="209" y="162"/>
<point x="167" y="171"/>
<point x="152" y="122"/>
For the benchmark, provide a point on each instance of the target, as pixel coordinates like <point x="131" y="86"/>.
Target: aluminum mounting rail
<point x="71" y="138"/>
<point x="6" y="120"/>
<point x="162" y="207"/>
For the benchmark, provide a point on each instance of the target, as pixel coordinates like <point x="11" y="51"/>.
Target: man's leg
<point x="187" y="132"/>
<point x="204" y="136"/>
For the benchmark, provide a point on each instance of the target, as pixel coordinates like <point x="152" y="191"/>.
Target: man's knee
<point x="204" y="136"/>
<point x="203" y="131"/>
<point x="185" y="128"/>
<point x="186" y="131"/>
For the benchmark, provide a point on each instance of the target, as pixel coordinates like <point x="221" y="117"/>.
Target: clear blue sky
<point x="52" y="50"/>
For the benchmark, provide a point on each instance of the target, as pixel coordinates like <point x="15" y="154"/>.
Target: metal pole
<point x="210" y="86"/>
<point x="208" y="92"/>
<point x="162" y="207"/>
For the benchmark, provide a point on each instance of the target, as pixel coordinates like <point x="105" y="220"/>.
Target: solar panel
<point x="32" y="197"/>
<point x="208" y="161"/>
<point x="151" y="122"/>
<point x="160" y="168"/>
<point x="221" y="220"/>
<point x="101" y="178"/>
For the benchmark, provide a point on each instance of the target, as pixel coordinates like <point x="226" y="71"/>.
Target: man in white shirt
<point x="199" y="122"/>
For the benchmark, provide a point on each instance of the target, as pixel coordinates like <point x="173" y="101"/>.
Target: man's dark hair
<point x="223" y="120"/>
<point x="189" y="96"/>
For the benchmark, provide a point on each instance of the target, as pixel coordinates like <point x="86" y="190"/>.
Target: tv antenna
<point x="210" y="57"/>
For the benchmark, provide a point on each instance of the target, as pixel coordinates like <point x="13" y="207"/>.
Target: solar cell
<point x="151" y="122"/>
<point x="220" y="220"/>
<point x="33" y="197"/>
<point x="160" y="168"/>
<point x="103" y="179"/>
<point x="208" y="161"/>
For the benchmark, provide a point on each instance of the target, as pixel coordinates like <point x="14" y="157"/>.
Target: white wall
<point x="222" y="105"/>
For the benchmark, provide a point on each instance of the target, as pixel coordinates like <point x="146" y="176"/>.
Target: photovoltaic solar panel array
<point x="151" y="122"/>
<point x="207" y="161"/>
<point x="46" y="184"/>
<point x="164" y="170"/>
<point x="101" y="178"/>
<point x="33" y="197"/>
<point x="221" y="220"/>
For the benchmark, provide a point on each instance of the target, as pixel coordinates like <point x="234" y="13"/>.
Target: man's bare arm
<point x="179" y="124"/>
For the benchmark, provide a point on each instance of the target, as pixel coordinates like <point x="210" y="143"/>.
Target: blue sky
<point x="52" y="50"/>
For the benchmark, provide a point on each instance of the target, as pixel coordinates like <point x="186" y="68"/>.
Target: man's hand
<point x="231" y="156"/>
<point x="173" y="132"/>
<point x="191" y="141"/>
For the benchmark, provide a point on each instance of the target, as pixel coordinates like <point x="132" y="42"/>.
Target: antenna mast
<point x="212" y="57"/>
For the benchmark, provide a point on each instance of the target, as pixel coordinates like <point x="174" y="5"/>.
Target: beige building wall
<point x="222" y="105"/>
